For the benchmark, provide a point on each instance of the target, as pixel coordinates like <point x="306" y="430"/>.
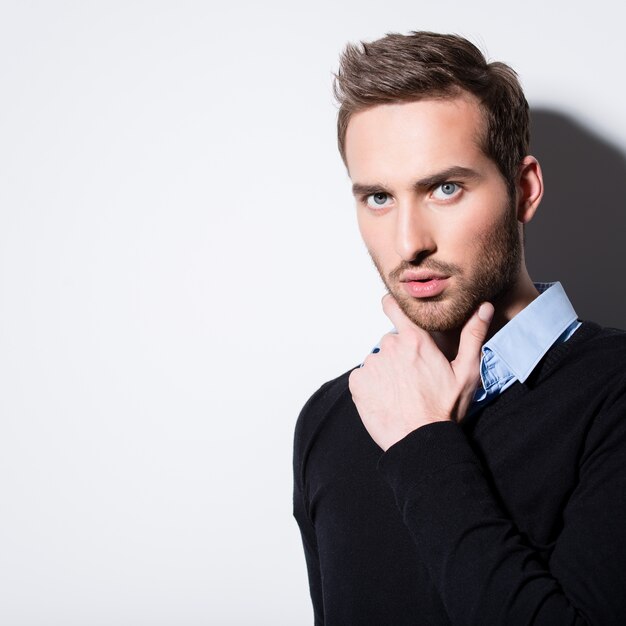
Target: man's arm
<point x="484" y="569"/>
<point x="311" y="553"/>
<point x="306" y="427"/>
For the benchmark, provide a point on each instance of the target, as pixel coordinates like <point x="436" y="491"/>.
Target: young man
<point x="473" y="469"/>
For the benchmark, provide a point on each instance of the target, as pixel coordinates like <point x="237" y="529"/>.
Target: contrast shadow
<point x="578" y="234"/>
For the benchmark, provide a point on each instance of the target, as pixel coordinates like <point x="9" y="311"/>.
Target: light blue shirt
<point x="516" y="349"/>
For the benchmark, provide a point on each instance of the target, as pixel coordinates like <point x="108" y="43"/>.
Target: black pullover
<point x="517" y="515"/>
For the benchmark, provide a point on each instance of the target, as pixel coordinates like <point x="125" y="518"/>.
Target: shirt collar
<point x="523" y="341"/>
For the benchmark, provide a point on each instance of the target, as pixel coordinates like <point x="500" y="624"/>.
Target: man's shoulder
<point x="320" y="405"/>
<point x="325" y="397"/>
<point x="593" y="356"/>
<point x="604" y="343"/>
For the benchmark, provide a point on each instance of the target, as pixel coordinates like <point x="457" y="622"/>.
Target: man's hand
<point x="410" y="383"/>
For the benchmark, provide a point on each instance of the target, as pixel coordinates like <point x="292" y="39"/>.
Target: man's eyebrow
<point x="365" y="190"/>
<point x="455" y="172"/>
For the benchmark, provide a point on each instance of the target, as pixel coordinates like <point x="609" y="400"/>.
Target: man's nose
<point x="414" y="237"/>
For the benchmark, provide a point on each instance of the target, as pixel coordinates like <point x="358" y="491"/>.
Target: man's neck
<point x="506" y="308"/>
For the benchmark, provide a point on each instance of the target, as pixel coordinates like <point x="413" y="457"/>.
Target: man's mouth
<point x="423" y="283"/>
<point x="421" y="276"/>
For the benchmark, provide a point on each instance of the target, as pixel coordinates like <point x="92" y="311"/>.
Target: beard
<point x="494" y="274"/>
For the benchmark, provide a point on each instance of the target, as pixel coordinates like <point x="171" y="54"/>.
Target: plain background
<point x="180" y="269"/>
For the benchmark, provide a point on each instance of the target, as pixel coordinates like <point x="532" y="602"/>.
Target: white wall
<point x="180" y="269"/>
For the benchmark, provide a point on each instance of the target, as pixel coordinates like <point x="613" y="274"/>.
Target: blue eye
<point x="377" y="200"/>
<point x="446" y="191"/>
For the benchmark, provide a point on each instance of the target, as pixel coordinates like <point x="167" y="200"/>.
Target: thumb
<point x="472" y="339"/>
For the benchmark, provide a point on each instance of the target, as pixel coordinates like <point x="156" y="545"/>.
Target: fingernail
<point x="485" y="312"/>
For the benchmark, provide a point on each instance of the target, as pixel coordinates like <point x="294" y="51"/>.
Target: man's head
<point x="424" y="65"/>
<point x="435" y="141"/>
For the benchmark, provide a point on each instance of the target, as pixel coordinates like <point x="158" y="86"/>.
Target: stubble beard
<point x="494" y="276"/>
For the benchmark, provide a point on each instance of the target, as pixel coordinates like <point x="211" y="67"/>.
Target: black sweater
<point x="517" y="515"/>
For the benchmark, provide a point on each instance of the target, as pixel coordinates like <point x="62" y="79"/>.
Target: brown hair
<point x="403" y="68"/>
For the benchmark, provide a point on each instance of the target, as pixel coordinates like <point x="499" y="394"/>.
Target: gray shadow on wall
<point x="577" y="235"/>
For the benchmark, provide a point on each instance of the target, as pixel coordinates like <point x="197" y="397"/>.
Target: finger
<point x="374" y="351"/>
<point x="473" y="337"/>
<point x="396" y="314"/>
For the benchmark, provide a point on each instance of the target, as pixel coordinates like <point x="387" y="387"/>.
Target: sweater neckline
<point x="550" y="361"/>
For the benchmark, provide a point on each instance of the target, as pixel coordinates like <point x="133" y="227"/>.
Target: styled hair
<point x="405" y="68"/>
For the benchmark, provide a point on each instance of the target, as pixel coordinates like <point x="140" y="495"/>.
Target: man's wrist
<point x="425" y="451"/>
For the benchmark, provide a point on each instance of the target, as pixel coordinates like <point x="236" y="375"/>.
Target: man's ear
<point x="529" y="189"/>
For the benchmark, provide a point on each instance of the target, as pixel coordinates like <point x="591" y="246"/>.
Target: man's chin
<point x="434" y="315"/>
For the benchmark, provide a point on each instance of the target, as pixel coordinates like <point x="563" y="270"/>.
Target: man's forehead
<point x="425" y="135"/>
<point x="412" y="114"/>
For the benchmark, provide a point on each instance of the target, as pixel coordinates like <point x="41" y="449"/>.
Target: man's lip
<point x="428" y="288"/>
<point x="421" y="276"/>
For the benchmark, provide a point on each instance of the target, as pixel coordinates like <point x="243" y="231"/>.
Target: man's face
<point x="433" y="209"/>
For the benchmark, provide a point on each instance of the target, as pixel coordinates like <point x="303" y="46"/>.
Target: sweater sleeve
<point x="308" y="422"/>
<point x="484" y="570"/>
<point x="311" y="553"/>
